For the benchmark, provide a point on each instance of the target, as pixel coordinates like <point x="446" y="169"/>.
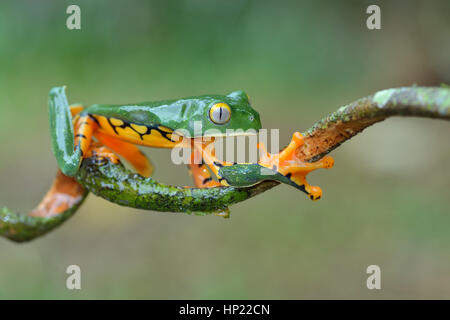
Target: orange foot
<point x="289" y="165"/>
<point x="101" y="153"/>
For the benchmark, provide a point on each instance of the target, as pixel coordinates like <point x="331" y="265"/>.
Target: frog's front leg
<point x="284" y="167"/>
<point x="200" y="173"/>
<point x="206" y="150"/>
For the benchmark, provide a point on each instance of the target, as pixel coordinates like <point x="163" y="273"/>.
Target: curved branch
<point x="120" y="186"/>
<point x="59" y="204"/>
<point x="117" y="184"/>
<point x="343" y="124"/>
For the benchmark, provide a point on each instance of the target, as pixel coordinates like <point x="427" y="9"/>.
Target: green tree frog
<point x="110" y="130"/>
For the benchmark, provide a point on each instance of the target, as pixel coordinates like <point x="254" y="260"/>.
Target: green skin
<point x="179" y="115"/>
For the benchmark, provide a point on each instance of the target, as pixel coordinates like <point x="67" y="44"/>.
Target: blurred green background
<point x="386" y="201"/>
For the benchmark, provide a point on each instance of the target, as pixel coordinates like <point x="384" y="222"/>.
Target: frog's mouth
<point x="231" y="134"/>
<point x="218" y="135"/>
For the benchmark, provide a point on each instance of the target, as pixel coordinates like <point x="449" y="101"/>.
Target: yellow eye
<point x="220" y="113"/>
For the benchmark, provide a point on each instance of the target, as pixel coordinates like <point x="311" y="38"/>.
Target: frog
<point x="110" y="131"/>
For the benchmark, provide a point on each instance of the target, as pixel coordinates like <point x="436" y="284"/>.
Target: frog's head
<point x="225" y="115"/>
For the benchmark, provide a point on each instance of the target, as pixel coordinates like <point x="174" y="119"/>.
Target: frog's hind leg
<point x="84" y="128"/>
<point x="200" y="173"/>
<point x="207" y="153"/>
<point x="129" y="151"/>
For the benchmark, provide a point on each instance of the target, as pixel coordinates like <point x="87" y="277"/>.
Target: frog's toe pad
<point x="297" y="139"/>
<point x="315" y="193"/>
<point x="328" y="162"/>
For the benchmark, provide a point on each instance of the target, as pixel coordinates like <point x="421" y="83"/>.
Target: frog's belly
<point x="150" y="136"/>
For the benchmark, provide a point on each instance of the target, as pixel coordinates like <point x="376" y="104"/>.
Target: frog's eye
<point x="220" y="113"/>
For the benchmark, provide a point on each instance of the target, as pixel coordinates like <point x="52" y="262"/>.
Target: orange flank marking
<point x="129" y="151"/>
<point x="135" y="133"/>
<point x="116" y="122"/>
<point x="139" y="129"/>
<point x="128" y="132"/>
<point x="165" y="129"/>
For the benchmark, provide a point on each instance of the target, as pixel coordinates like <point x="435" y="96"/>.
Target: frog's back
<point x="183" y="115"/>
<point x="171" y="113"/>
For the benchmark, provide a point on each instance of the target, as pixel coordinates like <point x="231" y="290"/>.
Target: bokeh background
<point x="386" y="201"/>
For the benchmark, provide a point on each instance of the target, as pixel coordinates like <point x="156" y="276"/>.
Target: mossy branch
<point x="117" y="184"/>
<point x="120" y="186"/>
<point x="330" y="132"/>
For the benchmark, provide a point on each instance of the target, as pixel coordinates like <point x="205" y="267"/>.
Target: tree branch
<point x="330" y="132"/>
<point x="117" y="184"/>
